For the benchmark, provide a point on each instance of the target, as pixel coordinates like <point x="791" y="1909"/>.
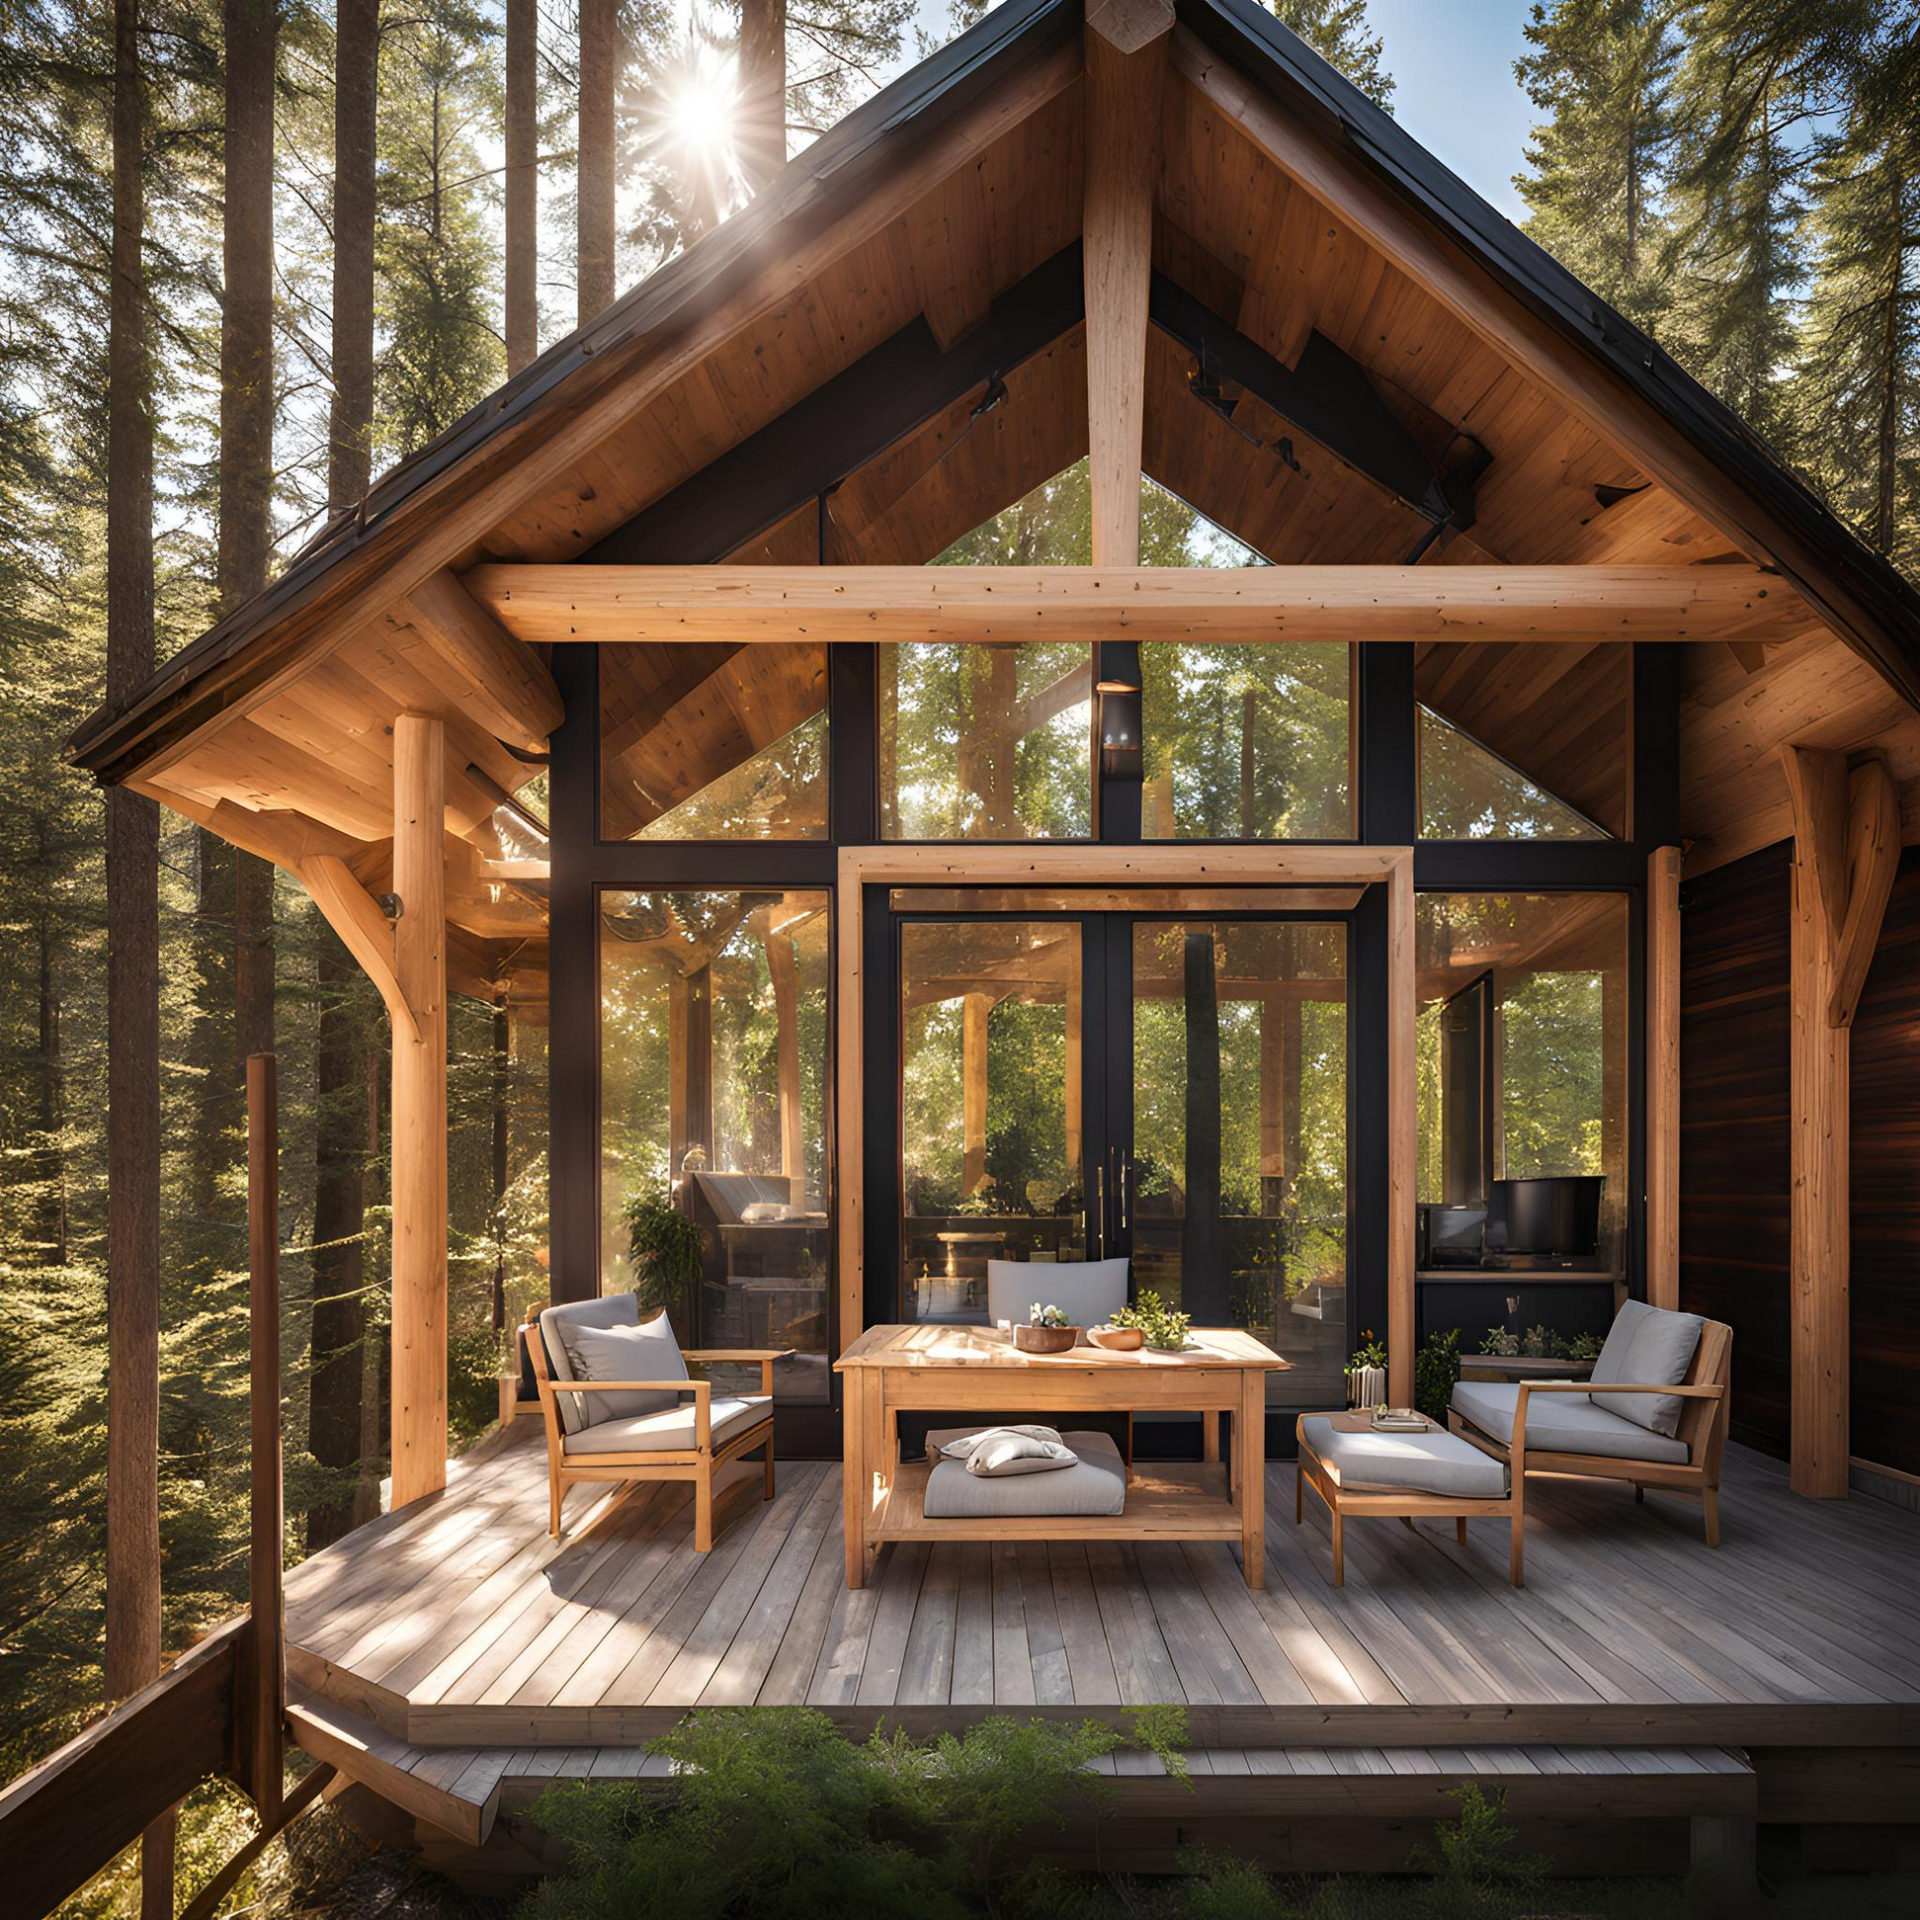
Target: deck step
<point x="1422" y="1782"/>
<point x="456" y="1789"/>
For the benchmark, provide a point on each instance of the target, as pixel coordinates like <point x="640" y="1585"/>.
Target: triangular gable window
<point x="1467" y="792"/>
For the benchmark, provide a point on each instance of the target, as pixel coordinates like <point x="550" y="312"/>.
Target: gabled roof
<point x="1760" y="505"/>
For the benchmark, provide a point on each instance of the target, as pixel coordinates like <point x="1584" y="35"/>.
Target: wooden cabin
<point x="1524" y="803"/>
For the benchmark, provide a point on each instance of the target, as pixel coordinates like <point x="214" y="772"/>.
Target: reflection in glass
<point x="713" y="1105"/>
<point x="1522" y="1045"/>
<point x="990" y="1080"/>
<point x="1239" y="1180"/>
<point x="705" y="742"/>
<point x="986" y="742"/>
<point x="1247" y="742"/>
<point x="1469" y="793"/>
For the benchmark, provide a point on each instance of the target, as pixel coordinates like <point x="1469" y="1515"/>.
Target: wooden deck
<point x="463" y="1623"/>
<point x="459" y="1623"/>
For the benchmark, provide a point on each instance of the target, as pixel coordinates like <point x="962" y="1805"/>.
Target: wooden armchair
<point x="681" y="1442"/>
<point x="1688" y="1464"/>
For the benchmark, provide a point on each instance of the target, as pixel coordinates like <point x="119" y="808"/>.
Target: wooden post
<point x="419" y="1440"/>
<point x="1846" y="847"/>
<point x="1075" y="1059"/>
<point x="261" y="1703"/>
<point x="1126" y="61"/>
<point x="1663" y="1077"/>
<point x="975" y="1010"/>
<point x="1403" y="1124"/>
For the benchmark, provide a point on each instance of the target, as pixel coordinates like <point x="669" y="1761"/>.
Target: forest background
<point x="334" y="226"/>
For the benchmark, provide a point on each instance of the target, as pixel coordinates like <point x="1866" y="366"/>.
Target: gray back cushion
<point x="1086" y="1291"/>
<point x="1650" y="1346"/>
<point x="646" y="1352"/>
<point x="611" y="1310"/>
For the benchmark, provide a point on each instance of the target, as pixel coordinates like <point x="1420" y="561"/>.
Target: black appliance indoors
<point x="1556" y="1218"/>
<point x="1455" y="1236"/>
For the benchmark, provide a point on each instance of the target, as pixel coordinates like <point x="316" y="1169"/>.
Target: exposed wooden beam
<point x="1819" y="1249"/>
<point x="1126" y="56"/>
<point x="1663" y="1077"/>
<point x="1085" y="604"/>
<point x="353" y="913"/>
<point x="1597" y="393"/>
<point x="496" y="680"/>
<point x="419" y="1410"/>
<point x="1873" y="864"/>
<point x="278" y="834"/>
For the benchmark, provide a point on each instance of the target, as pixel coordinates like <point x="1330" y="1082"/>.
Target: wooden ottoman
<point x="1358" y="1470"/>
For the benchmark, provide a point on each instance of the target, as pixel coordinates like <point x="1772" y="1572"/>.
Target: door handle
<point x="1100" y="1212"/>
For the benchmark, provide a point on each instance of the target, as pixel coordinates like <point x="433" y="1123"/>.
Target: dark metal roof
<point x="830" y="175"/>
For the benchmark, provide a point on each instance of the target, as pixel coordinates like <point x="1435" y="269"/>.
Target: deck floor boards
<point x="484" y="1630"/>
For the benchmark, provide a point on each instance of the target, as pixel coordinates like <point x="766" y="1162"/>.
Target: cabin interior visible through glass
<point x="1186" y="1078"/>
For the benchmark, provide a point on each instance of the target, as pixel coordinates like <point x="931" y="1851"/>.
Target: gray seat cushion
<point x="1562" y="1423"/>
<point x="1086" y="1291"/>
<point x="1438" y="1463"/>
<point x="1096" y="1486"/>
<point x="670" y="1429"/>
<point x="1650" y="1344"/>
<point x="646" y="1352"/>
<point x="610" y="1310"/>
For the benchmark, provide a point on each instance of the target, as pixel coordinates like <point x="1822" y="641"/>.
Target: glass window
<point x="713" y="1110"/>
<point x="990" y="1080"/>
<point x="986" y="742"/>
<point x="703" y="742"/>
<point x="1522" y="1075"/>
<point x="1246" y="742"/>
<point x="1240" y="1135"/>
<point x="1467" y="792"/>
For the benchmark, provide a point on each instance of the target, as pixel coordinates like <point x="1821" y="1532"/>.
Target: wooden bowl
<point x="1031" y="1339"/>
<point x="1117" y="1339"/>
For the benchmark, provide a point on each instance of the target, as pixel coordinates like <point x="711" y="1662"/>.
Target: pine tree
<point x="1340" y="32"/>
<point x="1602" y="71"/>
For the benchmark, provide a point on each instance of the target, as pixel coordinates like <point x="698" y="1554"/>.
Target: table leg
<point x="882" y="1449"/>
<point x="856" y="1478"/>
<point x="1250" y="1449"/>
<point x="1209" y="1436"/>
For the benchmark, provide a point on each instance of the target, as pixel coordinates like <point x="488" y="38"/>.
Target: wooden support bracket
<point x="353" y="913"/>
<point x="496" y="680"/>
<point x="1873" y="864"/>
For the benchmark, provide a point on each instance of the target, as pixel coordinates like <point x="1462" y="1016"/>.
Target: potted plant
<point x="669" y="1253"/>
<point x="1160" y="1327"/>
<point x="1436" y="1369"/>
<point x="1047" y="1330"/>
<point x="1367" y="1373"/>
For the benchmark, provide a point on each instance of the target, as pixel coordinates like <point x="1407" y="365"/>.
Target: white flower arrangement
<point x="1040" y="1316"/>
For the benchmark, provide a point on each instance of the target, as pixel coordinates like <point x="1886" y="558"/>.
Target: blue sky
<point x="1452" y="63"/>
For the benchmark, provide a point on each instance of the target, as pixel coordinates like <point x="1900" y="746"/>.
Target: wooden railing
<point x="218" y="1710"/>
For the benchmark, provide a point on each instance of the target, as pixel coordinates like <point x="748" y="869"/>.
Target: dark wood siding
<point x="1886" y="1190"/>
<point x="1734" y="1127"/>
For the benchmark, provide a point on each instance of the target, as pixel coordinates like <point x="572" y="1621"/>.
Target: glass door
<point x="1169" y="1087"/>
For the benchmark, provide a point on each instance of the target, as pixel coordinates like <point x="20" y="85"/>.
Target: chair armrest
<point x="702" y="1387"/>
<point x="766" y="1356"/>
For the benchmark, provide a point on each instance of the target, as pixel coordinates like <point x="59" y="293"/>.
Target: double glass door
<point x="1170" y="1086"/>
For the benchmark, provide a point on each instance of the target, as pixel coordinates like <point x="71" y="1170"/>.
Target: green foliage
<point x="1338" y="31"/>
<point x="1502" y="1341"/>
<point x="1586" y="1346"/>
<point x="1371" y="1352"/>
<point x="775" y="1815"/>
<point x="1220" y="1887"/>
<point x="1473" y="1863"/>
<point x="667" y="1248"/>
<point x="1436" y="1369"/>
<point x="1162" y="1326"/>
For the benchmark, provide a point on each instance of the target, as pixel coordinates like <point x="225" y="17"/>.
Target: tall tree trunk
<point x="52" y="1230"/>
<point x="763" y="89"/>
<point x="133" y="967"/>
<point x="1203" y="1277"/>
<point x="1886" y="484"/>
<point x="246" y="442"/>
<point x="599" y="32"/>
<point x="356" y="57"/>
<point x="523" y="185"/>
<point x="336" y="1397"/>
<point x="339" y="1252"/>
<point x="502" y="1085"/>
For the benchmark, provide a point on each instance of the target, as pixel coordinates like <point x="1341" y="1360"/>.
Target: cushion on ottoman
<point x="1097" y="1485"/>
<point x="1437" y="1463"/>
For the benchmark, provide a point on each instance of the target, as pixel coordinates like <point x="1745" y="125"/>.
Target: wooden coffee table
<point x="1375" y="1500"/>
<point x="900" y="1369"/>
